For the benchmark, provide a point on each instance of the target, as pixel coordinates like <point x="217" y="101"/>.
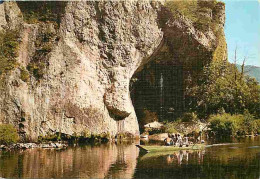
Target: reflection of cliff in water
<point x="238" y="160"/>
<point x="105" y="161"/>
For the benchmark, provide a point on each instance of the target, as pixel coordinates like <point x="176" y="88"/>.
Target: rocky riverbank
<point x="23" y="146"/>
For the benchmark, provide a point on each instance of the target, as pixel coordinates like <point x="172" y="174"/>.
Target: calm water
<point x="126" y="161"/>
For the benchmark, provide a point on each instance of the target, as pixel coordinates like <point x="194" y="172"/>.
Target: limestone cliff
<point x="72" y="72"/>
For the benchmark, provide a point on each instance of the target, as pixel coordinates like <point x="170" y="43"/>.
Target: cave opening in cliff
<point x="159" y="90"/>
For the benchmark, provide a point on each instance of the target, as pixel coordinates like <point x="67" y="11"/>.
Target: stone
<point x="59" y="145"/>
<point x="159" y="137"/>
<point x="44" y="146"/>
<point x="52" y="145"/>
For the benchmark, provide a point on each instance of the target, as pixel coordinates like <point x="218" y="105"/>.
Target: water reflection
<point x="125" y="161"/>
<point x="222" y="161"/>
<point x="183" y="156"/>
<point x="104" y="161"/>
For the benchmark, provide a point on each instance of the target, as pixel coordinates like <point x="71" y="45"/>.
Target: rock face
<point x="160" y="86"/>
<point x="98" y="47"/>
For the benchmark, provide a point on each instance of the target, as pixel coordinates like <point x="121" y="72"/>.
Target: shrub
<point x="171" y="127"/>
<point x="24" y="75"/>
<point x="86" y="134"/>
<point x="189" y="117"/>
<point x="45" y="41"/>
<point x="152" y="131"/>
<point x="8" y="134"/>
<point x="37" y="69"/>
<point x="257" y="124"/>
<point x="248" y="125"/>
<point x="35" y="12"/>
<point x="233" y="125"/>
<point x="185" y="7"/>
<point x="196" y="11"/>
<point x="48" y="137"/>
<point x="9" y="41"/>
<point x="225" y="124"/>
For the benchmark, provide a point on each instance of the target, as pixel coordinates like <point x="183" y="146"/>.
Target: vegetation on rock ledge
<point x="34" y="12"/>
<point x="8" y="134"/>
<point x="9" y="42"/>
<point x="198" y="12"/>
<point x="45" y="41"/>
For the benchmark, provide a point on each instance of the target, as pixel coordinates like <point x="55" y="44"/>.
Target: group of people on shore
<point x="177" y="140"/>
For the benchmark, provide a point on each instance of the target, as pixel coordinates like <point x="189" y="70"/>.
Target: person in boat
<point x="176" y="139"/>
<point x="173" y="137"/>
<point x="186" y="141"/>
<point x="199" y="137"/>
<point x="168" y="141"/>
<point x="179" y="140"/>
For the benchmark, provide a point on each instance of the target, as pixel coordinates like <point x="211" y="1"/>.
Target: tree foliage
<point x="222" y="87"/>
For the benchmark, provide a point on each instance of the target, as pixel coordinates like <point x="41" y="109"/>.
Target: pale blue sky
<point x="243" y="30"/>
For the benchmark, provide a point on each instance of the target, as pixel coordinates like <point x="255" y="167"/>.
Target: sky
<point x="242" y="30"/>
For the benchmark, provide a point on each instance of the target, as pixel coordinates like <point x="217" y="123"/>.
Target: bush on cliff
<point x="8" y="50"/>
<point x="35" y="12"/>
<point x="185" y="7"/>
<point x="198" y="12"/>
<point x="8" y="134"/>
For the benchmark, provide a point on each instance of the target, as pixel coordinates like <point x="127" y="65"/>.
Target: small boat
<point x="158" y="148"/>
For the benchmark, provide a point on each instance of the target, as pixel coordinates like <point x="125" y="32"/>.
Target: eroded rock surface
<point x="96" y="49"/>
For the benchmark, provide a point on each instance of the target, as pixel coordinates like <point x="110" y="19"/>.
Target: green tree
<point x="221" y="86"/>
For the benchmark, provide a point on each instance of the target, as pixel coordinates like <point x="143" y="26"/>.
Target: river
<point x="238" y="160"/>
